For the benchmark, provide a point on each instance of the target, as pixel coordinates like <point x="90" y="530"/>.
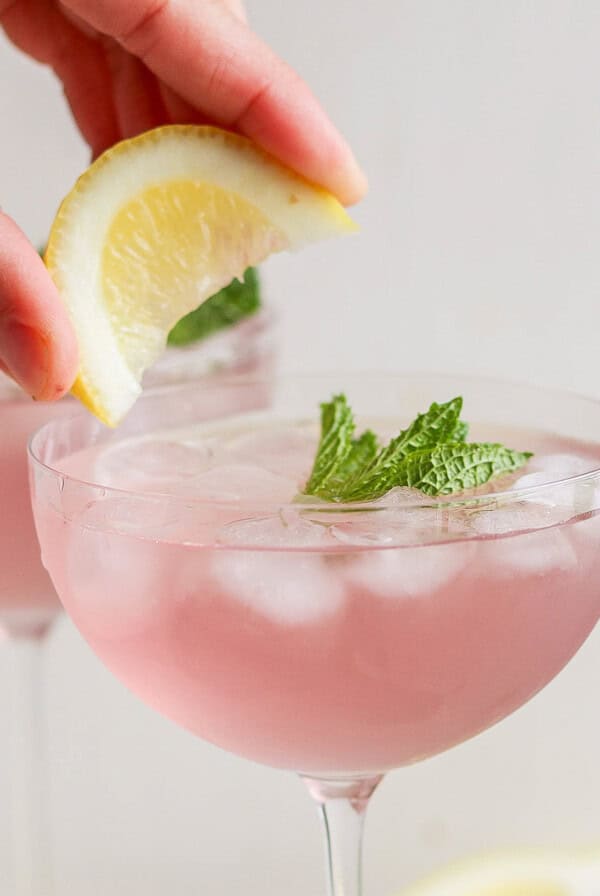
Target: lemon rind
<point x="300" y="211"/>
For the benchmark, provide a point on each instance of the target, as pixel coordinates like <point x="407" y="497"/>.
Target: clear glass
<point x="28" y="606"/>
<point x="28" y="601"/>
<point x="246" y="349"/>
<point x="363" y="638"/>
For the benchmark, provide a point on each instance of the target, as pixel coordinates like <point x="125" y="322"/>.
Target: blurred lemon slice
<point x="535" y="872"/>
<point x="157" y="225"/>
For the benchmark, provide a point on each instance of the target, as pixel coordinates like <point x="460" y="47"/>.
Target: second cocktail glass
<point x="340" y="641"/>
<point x="28" y="601"/>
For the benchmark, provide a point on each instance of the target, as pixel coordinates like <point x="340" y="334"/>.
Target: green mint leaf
<point x="437" y="425"/>
<point x="461" y="432"/>
<point x="236" y="301"/>
<point x="335" y="445"/>
<point x="430" y="455"/>
<point x="449" y="468"/>
<point x="459" y="466"/>
<point x="434" y="427"/>
<point x="350" y="467"/>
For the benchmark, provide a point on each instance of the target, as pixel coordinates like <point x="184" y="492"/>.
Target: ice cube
<point x="115" y="583"/>
<point x="559" y="466"/>
<point x="140" y="515"/>
<point x="381" y="529"/>
<point x="152" y="464"/>
<point x="529" y="553"/>
<point x="532" y="479"/>
<point x="567" y="498"/>
<point x="517" y="517"/>
<point x="403" y="516"/>
<point x="289" y="528"/>
<point x="286" y="450"/>
<point x="402" y="496"/>
<point x="242" y="482"/>
<point x="408" y="572"/>
<point x="582" y="496"/>
<point x="366" y="531"/>
<point x="289" y="588"/>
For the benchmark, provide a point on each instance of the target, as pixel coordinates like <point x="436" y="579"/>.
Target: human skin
<point x="130" y="65"/>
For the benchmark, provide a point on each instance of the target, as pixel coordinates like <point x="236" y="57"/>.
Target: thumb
<point x="37" y="342"/>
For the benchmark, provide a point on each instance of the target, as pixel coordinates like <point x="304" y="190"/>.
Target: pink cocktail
<point x="339" y="641"/>
<point x="28" y="602"/>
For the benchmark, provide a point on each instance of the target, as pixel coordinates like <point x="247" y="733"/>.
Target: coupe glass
<point x="338" y="641"/>
<point x="28" y="601"/>
<point x="28" y="606"/>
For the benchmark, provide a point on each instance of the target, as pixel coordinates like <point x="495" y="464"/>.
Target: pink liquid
<point x="326" y="658"/>
<point x="28" y="601"/>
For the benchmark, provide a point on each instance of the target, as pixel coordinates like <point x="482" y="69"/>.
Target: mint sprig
<point x="363" y="452"/>
<point x="431" y="455"/>
<point x="335" y="445"/>
<point x="239" y="299"/>
<point x="232" y="303"/>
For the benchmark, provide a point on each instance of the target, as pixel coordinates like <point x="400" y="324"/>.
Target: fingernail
<point x="25" y="355"/>
<point x="352" y="181"/>
<point x="361" y="184"/>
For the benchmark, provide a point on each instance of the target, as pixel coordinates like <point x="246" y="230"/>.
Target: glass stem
<point x="27" y="770"/>
<point x="342" y="805"/>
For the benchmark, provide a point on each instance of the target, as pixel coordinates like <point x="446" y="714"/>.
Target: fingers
<point x="236" y="8"/>
<point x="136" y="94"/>
<point x="39" y="28"/>
<point x="215" y="63"/>
<point x="37" y="343"/>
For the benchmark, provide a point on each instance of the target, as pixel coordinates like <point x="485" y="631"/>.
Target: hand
<point x="130" y="65"/>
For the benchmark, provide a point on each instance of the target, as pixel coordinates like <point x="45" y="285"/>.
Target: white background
<point x="479" y="126"/>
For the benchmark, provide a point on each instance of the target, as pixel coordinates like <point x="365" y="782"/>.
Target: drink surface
<point x="311" y="637"/>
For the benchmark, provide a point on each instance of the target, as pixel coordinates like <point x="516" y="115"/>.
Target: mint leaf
<point x="430" y="455"/>
<point x="449" y="468"/>
<point x="335" y="445"/>
<point x="460" y="433"/>
<point x="436" y="426"/>
<point x="350" y="467"/>
<point x="236" y="301"/>
<point x="239" y="299"/>
<point x="363" y="451"/>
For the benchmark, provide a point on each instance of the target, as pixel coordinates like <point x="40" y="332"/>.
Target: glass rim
<point x="456" y="500"/>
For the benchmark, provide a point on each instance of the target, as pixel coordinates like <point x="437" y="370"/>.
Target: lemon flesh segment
<point x="155" y="226"/>
<point x="174" y="245"/>
<point x="532" y="872"/>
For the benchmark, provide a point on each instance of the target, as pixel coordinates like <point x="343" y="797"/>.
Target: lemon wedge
<point x="154" y="227"/>
<point x="533" y="872"/>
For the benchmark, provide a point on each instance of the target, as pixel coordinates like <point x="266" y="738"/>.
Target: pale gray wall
<point x="479" y="126"/>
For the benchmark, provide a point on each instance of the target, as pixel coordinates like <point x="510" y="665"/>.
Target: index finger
<point x="37" y="342"/>
<point x="216" y="63"/>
